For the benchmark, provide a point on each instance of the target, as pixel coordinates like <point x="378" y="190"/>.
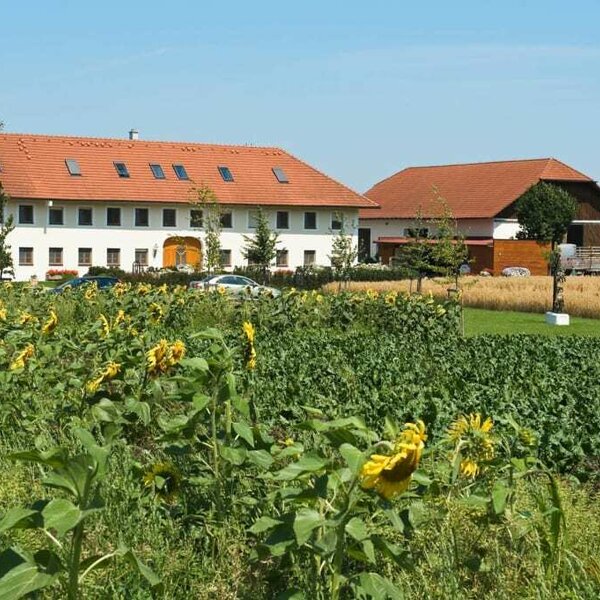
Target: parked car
<point x="236" y="285"/>
<point x="102" y="281"/>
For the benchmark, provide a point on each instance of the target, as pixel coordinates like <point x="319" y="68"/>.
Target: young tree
<point x="206" y="201"/>
<point x="545" y="212"/>
<point x="414" y="257"/>
<point x="6" y="226"/>
<point x="343" y="253"/>
<point x="261" y="248"/>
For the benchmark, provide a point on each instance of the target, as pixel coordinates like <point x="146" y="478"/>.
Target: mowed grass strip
<point x="480" y="322"/>
<point x="522" y="294"/>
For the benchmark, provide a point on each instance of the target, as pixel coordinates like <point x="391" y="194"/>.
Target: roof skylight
<point x="121" y="169"/>
<point x="226" y="173"/>
<point x="73" y="166"/>
<point x="280" y="174"/>
<point x="180" y="172"/>
<point x="157" y="171"/>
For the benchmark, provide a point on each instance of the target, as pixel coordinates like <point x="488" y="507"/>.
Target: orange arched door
<point x="182" y="251"/>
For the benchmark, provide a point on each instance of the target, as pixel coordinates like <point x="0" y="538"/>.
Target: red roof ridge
<point x="93" y="139"/>
<point x="560" y="162"/>
<point x="374" y="204"/>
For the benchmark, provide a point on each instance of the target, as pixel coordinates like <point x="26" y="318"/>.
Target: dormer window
<point x="121" y="169"/>
<point x="180" y="172"/>
<point x="226" y="174"/>
<point x="157" y="171"/>
<point x="280" y="175"/>
<point x="72" y="166"/>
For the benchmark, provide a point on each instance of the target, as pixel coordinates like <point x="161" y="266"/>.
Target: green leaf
<point x="378" y="587"/>
<point x="61" y="515"/>
<point x="264" y="524"/>
<point x="306" y="521"/>
<point x="499" y="496"/>
<point x="293" y="594"/>
<point x="309" y="463"/>
<point x="369" y="550"/>
<point x="245" y="432"/>
<point x="236" y="456"/>
<point x="353" y="456"/>
<point x="17" y="518"/>
<point x="144" y="570"/>
<point x="422" y="479"/>
<point x="23" y="580"/>
<point x="356" y="528"/>
<point x="200" y="401"/>
<point x="261" y="458"/>
<point x="242" y="405"/>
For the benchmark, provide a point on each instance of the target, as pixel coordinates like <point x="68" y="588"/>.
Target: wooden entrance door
<point x="182" y="251"/>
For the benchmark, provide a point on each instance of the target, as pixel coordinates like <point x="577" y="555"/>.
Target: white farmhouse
<point x="79" y="202"/>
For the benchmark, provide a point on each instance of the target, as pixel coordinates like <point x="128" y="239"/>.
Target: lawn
<point x="479" y="321"/>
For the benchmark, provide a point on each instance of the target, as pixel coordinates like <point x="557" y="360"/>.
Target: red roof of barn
<point x="33" y="166"/>
<point x="476" y="190"/>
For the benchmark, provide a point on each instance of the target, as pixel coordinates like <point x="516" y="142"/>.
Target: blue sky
<point x="358" y="89"/>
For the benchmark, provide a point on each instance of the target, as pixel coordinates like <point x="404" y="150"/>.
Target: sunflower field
<point x="163" y="443"/>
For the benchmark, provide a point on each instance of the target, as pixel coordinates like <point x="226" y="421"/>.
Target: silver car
<point x="236" y="285"/>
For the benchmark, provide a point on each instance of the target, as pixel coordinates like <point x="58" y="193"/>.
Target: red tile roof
<point x="33" y="166"/>
<point x="476" y="190"/>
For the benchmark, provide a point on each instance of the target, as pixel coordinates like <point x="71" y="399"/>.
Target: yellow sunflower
<point x="111" y="370"/>
<point x="26" y="318"/>
<point x="22" y="357"/>
<point x="473" y="441"/>
<point x="390" y="475"/>
<point x="105" y="325"/>
<point x="51" y="323"/>
<point x="156" y="312"/>
<point x="161" y="357"/>
<point x="164" y="479"/>
<point x="250" y="350"/>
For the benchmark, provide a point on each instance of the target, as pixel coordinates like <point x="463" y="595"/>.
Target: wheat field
<point x="526" y="294"/>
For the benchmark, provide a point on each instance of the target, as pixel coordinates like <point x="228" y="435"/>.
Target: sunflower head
<point x="177" y="351"/>
<point x="472" y="440"/>
<point x="51" y="323"/>
<point x="164" y="479"/>
<point x="249" y="331"/>
<point x="390" y="475"/>
<point x="26" y="318"/>
<point x="156" y="312"/>
<point x="22" y="358"/>
<point x="105" y="325"/>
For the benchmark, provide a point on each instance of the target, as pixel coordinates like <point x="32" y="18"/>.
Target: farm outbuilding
<point x="482" y="198"/>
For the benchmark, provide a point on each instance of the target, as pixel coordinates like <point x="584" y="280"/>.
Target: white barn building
<point x="79" y="202"/>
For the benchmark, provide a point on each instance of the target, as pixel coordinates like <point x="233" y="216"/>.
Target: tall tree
<point x="6" y="226"/>
<point x="545" y="212"/>
<point x="261" y="248"/>
<point x="211" y="215"/>
<point x="344" y="252"/>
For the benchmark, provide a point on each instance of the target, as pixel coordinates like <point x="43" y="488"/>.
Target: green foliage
<point x="238" y="482"/>
<point x="6" y="226"/>
<point x="207" y="201"/>
<point x="343" y="253"/>
<point x="261" y="248"/>
<point x="545" y="212"/>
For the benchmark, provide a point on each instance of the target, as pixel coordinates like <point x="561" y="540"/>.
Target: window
<point x="84" y="257"/>
<point x="281" y="260"/>
<point x="226" y="174"/>
<point x="225" y="258"/>
<point x="157" y="171"/>
<point x="121" y="169"/>
<point x="337" y="220"/>
<point x="252" y="219"/>
<point x="84" y="216"/>
<point x="25" y="214"/>
<point x="227" y="220"/>
<point x="141" y="256"/>
<point x="26" y="256"/>
<point x="55" y="216"/>
<point x="310" y="257"/>
<point x="195" y="218"/>
<point x="180" y="172"/>
<point x="280" y="175"/>
<point x="55" y="257"/>
<point x="73" y="166"/>
<point x="310" y="220"/>
<point x="141" y="217"/>
<point x="113" y="257"/>
<point x="169" y="217"/>
<point x="412" y="232"/>
<point x="283" y="219"/>
<point x="113" y="216"/>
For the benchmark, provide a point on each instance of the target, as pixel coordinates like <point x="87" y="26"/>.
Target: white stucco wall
<point x="127" y="237"/>
<point x="506" y="229"/>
